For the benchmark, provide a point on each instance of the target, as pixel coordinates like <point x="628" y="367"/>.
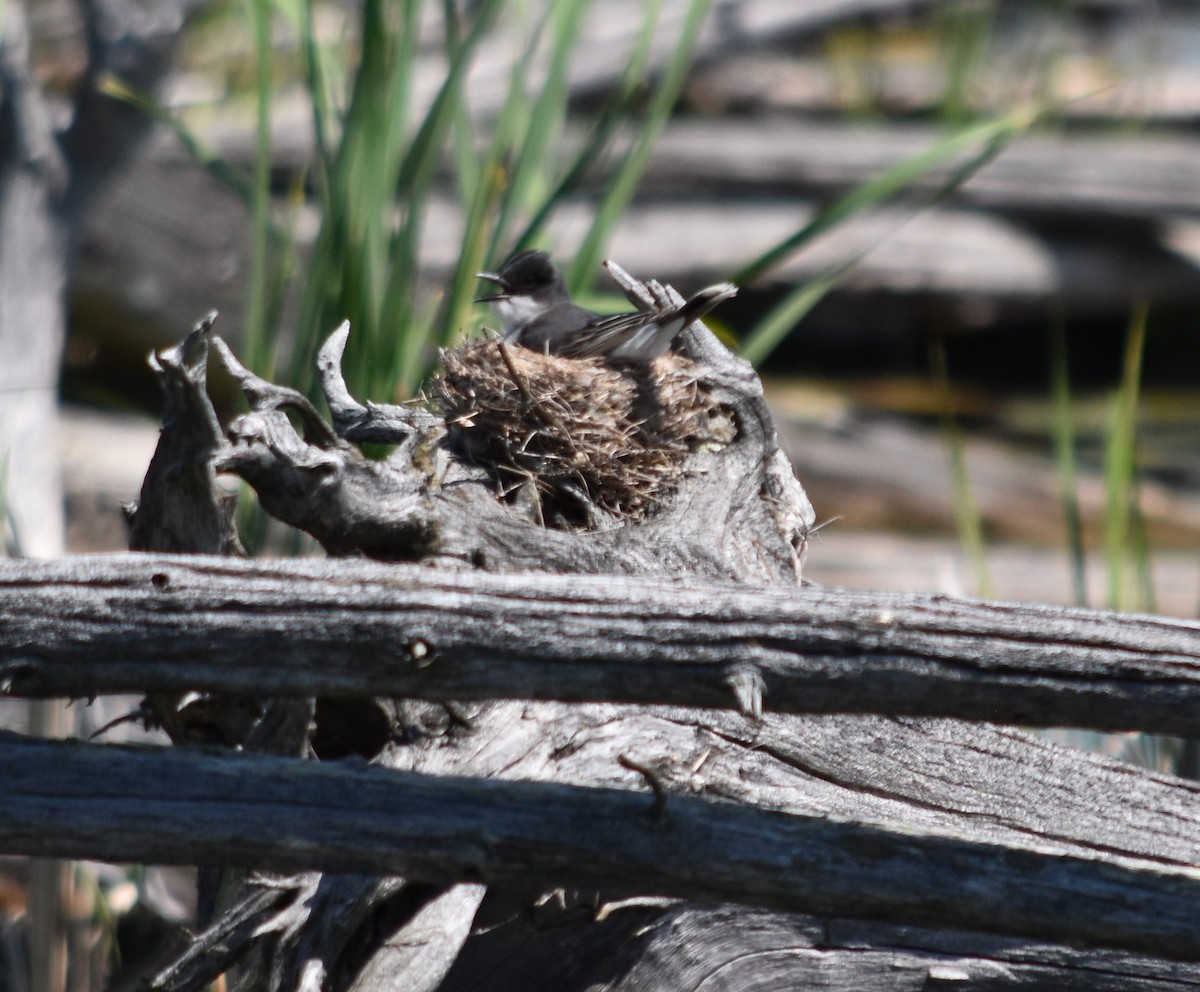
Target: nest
<point x="585" y="433"/>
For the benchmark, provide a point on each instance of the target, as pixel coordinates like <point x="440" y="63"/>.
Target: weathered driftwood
<point x="1143" y="176"/>
<point x="919" y="794"/>
<point x="1123" y="827"/>
<point x="181" y="508"/>
<point x="738" y="513"/>
<point x="108" y="624"/>
<point x="276" y="814"/>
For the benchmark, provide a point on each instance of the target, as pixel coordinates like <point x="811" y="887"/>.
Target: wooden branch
<point x="172" y="807"/>
<point x="851" y="814"/>
<point x="682" y="947"/>
<point x="909" y="776"/>
<point x="180" y="507"/>
<point x="379" y="423"/>
<point x="98" y="624"/>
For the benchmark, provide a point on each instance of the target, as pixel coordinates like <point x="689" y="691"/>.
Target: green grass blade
<point x="1120" y="461"/>
<point x="1065" y="457"/>
<point x="476" y="237"/>
<point x="340" y="258"/>
<point x="1147" y="599"/>
<point x="582" y="269"/>
<point x="986" y="140"/>
<point x="774" y="327"/>
<point x="532" y="167"/>
<point x="320" y="105"/>
<point x="966" y="511"/>
<point x="421" y="158"/>
<point x="784" y="316"/>
<point x="965" y="34"/>
<point x="604" y="129"/>
<point x="485" y="184"/>
<point x="414" y="184"/>
<point x="216" y="166"/>
<point x="453" y="25"/>
<point x="408" y="46"/>
<point x="259" y="338"/>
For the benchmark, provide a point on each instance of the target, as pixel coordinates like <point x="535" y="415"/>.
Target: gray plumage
<point x="536" y="311"/>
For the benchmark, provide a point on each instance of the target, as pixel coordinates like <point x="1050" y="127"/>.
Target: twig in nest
<point x="518" y="379"/>
<point x="621" y="434"/>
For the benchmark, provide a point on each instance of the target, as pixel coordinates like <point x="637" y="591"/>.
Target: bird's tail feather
<point x="706" y="300"/>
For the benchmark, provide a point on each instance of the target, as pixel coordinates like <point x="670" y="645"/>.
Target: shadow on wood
<point x="597" y="845"/>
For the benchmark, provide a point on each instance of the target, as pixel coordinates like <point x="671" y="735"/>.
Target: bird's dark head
<point x="529" y="274"/>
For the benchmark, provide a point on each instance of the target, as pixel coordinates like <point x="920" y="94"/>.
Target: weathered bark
<point x="93" y="625"/>
<point x="278" y="815"/>
<point x="903" y="821"/>
<point x="180" y="507"/>
<point x="685" y="948"/>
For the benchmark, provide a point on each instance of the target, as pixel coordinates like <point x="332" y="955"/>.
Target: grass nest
<point x="582" y="434"/>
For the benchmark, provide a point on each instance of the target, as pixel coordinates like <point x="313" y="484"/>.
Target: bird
<point x="536" y="311"/>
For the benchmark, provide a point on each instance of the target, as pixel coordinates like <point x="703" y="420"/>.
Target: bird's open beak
<point x="499" y="281"/>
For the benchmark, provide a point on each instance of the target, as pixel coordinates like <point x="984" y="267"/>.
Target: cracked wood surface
<point x="773" y="847"/>
<point x="87" y="625"/>
<point x="885" y="818"/>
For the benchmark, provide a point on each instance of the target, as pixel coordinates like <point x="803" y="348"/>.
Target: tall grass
<point x="1124" y="545"/>
<point x="937" y="171"/>
<point x="966" y="511"/>
<point x="380" y="165"/>
<point x="381" y="162"/>
<point x="625" y="177"/>
<point x="1124" y="532"/>
<point x="1063" y="429"/>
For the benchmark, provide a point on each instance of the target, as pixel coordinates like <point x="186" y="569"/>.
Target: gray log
<point x="121" y="804"/>
<point x="1142" y="176"/>
<point x="89" y="625"/>
<point x="751" y="809"/>
<point x="733" y="949"/>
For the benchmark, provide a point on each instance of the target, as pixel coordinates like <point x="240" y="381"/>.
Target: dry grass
<point x="588" y="435"/>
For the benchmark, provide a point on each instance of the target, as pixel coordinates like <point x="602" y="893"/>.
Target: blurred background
<point x="989" y="210"/>
<point x="967" y="234"/>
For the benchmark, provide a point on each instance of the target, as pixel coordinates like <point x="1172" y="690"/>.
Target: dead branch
<point x="282" y="815"/>
<point x="90" y="625"/>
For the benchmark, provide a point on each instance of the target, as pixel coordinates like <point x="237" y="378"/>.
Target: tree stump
<point x="495" y="481"/>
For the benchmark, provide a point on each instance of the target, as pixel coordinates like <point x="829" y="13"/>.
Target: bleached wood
<point x="162" y="623"/>
<point x="153" y="806"/>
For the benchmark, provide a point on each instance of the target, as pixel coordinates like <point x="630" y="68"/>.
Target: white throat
<point x="516" y="312"/>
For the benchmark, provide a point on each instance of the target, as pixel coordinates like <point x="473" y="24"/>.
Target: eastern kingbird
<point x="536" y="311"/>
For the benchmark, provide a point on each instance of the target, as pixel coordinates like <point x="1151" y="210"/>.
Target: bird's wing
<point x="640" y="333"/>
<point x="549" y="329"/>
<point x="603" y="334"/>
